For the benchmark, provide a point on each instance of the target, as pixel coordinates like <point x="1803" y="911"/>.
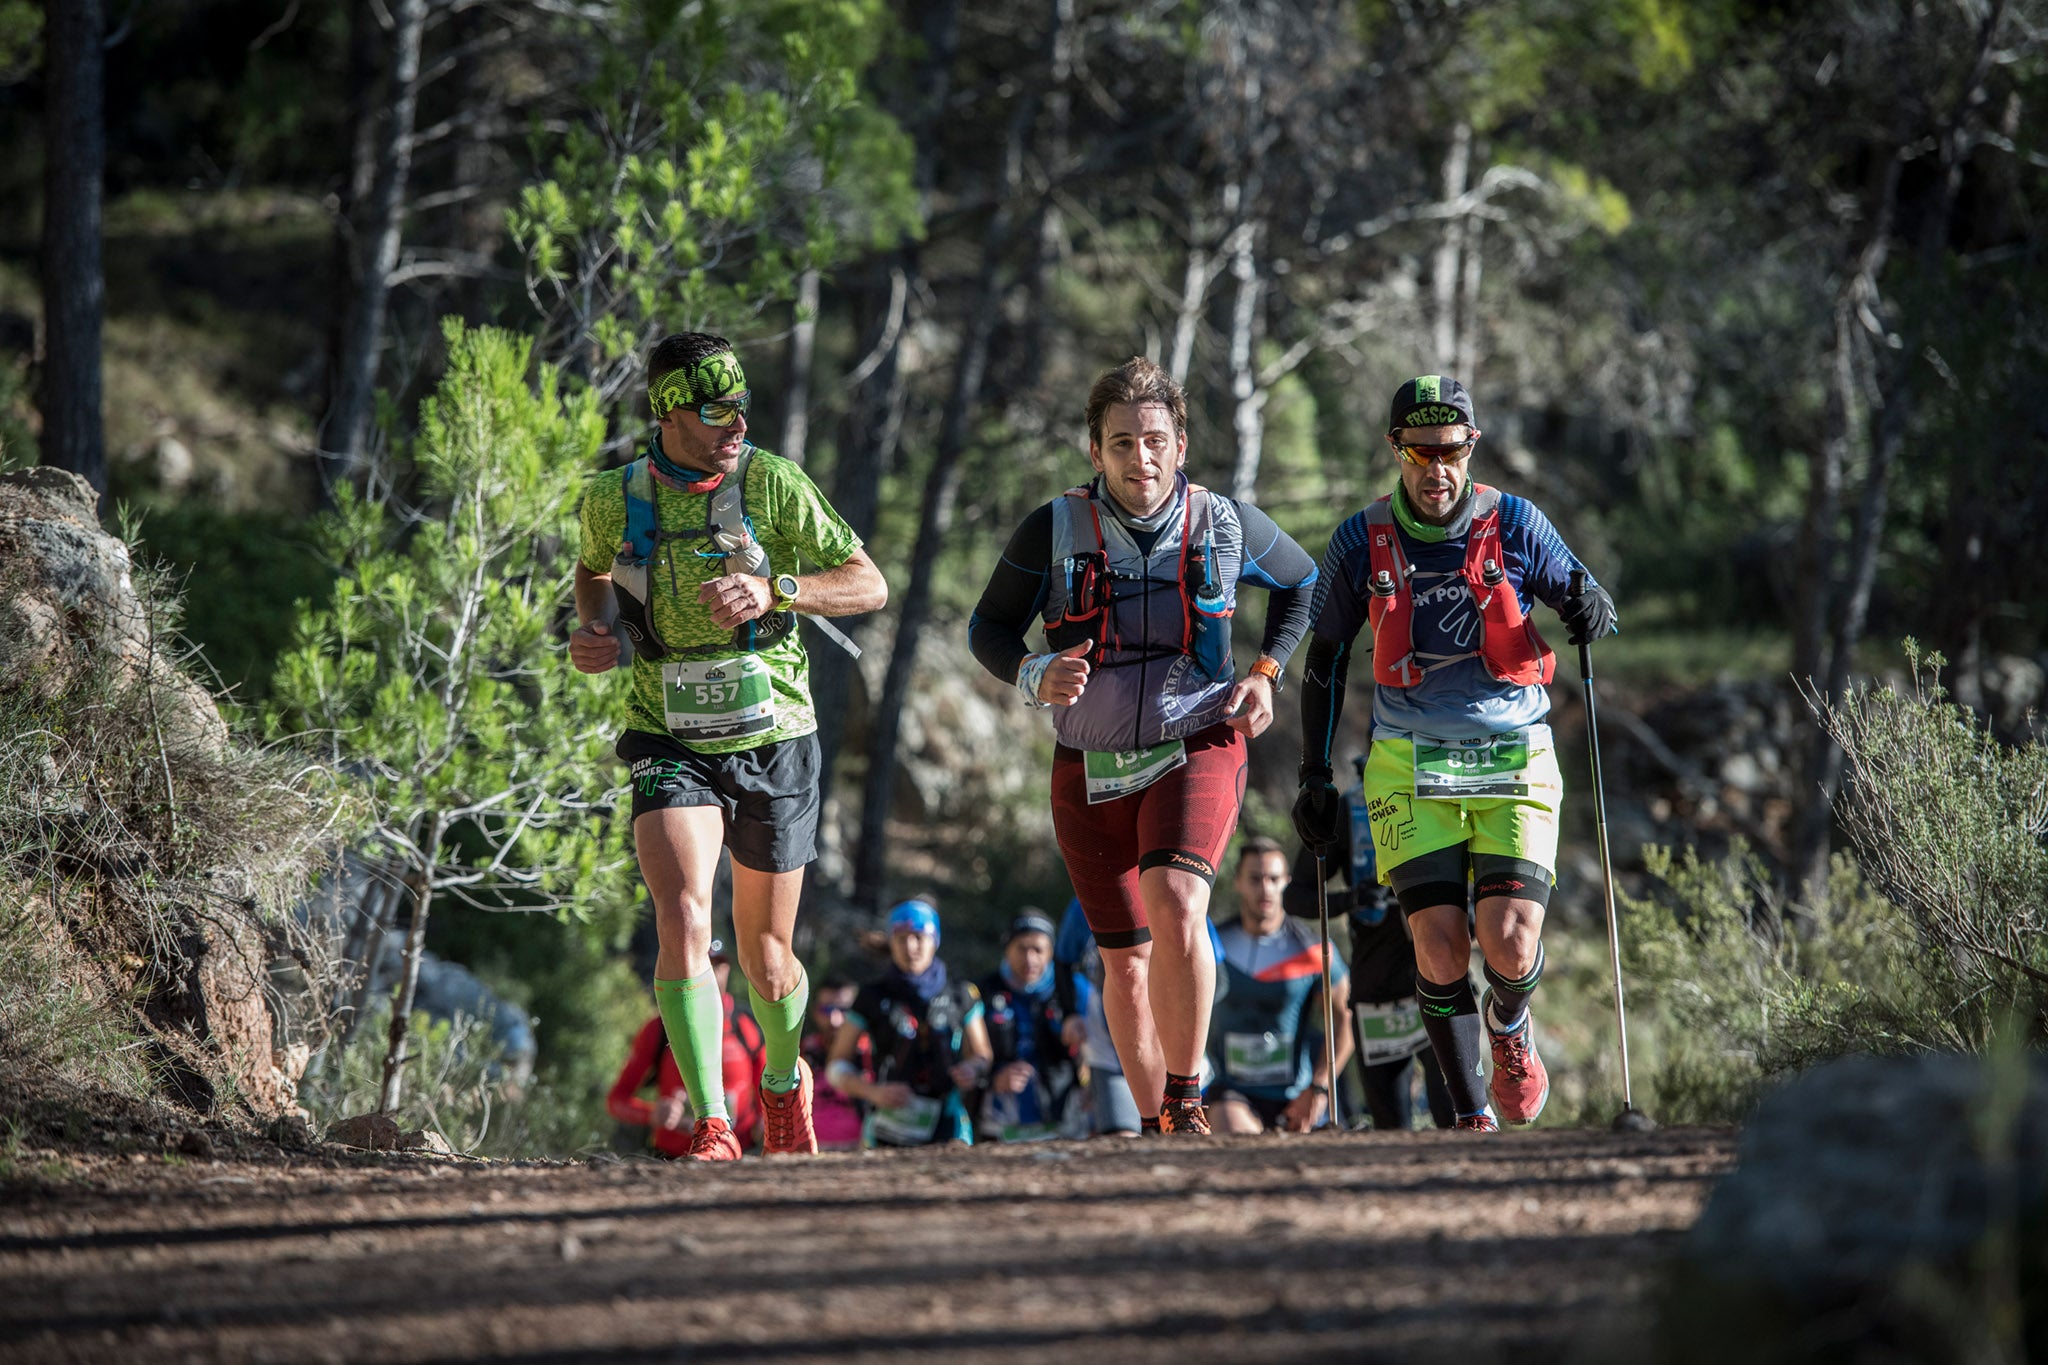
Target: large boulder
<point x="174" y="922"/>
<point x="1879" y="1210"/>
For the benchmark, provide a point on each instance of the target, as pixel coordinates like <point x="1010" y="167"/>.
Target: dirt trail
<point x="1352" y="1247"/>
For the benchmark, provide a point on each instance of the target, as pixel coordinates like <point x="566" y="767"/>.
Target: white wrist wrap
<point x="1031" y="673"/>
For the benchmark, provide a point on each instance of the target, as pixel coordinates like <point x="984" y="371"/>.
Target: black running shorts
<point x="769" y="795"/>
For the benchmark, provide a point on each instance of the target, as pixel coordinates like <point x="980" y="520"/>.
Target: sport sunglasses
<point x="723" y="412"/>
<point x="1429" y="454"/>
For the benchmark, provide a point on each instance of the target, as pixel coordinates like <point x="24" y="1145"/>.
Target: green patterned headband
<point x="717" y="375"/>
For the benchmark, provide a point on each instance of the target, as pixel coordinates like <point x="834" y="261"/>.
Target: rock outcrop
<point x="1880" y="1209"/>
<point x="126" y="779"/>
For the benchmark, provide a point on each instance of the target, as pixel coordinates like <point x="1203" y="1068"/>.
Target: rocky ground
<point x="1530" y="1247"/>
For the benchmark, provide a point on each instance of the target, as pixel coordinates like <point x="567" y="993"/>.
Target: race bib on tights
<point x="909" y="1125"/>
<point x="1451" y="770"/>
<point x="1389" y="1032"/>
<point x="718" y="698"/>
<point x="1259" y="1058"/>
<point x="1111" y="775"/>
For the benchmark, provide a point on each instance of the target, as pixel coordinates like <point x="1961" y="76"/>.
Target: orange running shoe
<point x="1184" y="1116"/>
<point x="789" y="1117"/>
<point x="712" y="1140"/>
<point x="1476" y="1123"/>
<point x="1520" y="1084"/>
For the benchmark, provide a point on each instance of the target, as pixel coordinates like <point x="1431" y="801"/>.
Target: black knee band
<point x="1496" y="875"/>
<point x="1180" y="860"/>
<point x="1426" y="895"/>
<point x="1124" y="938"/>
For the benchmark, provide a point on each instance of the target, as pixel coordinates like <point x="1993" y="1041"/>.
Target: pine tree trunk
<point x="1445" y="274"/>
<point x="346" y="427"/>
<point x="74" y="285"/>
<point x="866" y="449"/>
<point x="399" y="1052"/>
<point x="941" y="486"/>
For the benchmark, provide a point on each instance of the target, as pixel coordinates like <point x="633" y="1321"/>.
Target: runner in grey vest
<point x="1134" y="579"/>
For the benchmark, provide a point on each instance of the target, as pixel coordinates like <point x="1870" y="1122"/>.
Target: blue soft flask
<point x="1210" y="622"/>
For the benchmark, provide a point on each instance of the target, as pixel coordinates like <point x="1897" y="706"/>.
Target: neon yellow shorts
<point x="1405" y="827"/>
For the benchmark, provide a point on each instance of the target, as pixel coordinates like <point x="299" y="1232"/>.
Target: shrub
<point x="1729" y="990"/>
<point x="1953" y="826"/>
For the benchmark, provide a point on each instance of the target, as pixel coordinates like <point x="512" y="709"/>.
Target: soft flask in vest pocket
<point x="1209" y="620"/>
<point x="629" y="590"/>
<point x="1086" y="614"/>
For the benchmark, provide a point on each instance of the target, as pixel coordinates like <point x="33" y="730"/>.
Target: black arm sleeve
<point x="1322" y="700"/>
<point x="1015" y="595"/>
<point x="1273" y="561"/>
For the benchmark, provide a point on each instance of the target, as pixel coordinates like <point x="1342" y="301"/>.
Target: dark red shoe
<point x="789" y="1118"/>
<point x="712" y="1140"/>
<point x="1520" y="1085"/>
<point x="1476" y="1123"/>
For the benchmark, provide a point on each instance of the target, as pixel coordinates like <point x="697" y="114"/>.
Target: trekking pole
<point x="1630" y="1119"/>
<point x="1329" y="1009"/>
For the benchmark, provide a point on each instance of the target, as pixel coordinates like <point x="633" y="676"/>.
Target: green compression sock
<point x="782" y="1034"/>
<point x="695" y="1019"/>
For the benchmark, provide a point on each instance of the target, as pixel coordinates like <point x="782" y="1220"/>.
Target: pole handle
<point x="1575" y="585"/>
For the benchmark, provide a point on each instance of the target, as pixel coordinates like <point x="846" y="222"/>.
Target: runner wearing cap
<point x="1034" y="1085"/>
<point x="930" y="1043"/>
<point x="1462" y="781"/>
<point x="699" y="552"/>
<point x="1134" y="578"/>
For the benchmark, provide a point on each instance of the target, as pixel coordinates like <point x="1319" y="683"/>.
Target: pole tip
<point x="1634" y="1121"/>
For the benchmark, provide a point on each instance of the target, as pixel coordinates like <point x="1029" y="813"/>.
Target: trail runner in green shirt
<point x="695" y="559"/>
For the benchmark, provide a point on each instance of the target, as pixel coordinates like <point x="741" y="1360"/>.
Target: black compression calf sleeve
<point x="1450" y="1015"/>
<point x="1511" y="994"/>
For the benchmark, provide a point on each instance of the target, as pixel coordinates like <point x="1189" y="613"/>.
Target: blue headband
<point x="916" y="916"/>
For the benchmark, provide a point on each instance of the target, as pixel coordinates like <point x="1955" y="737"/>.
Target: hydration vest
<point x="914" y="1040"/>
<point x="1162" y="640"/>
<point x="1509" y="646"/>
<point x="731" y="535"/>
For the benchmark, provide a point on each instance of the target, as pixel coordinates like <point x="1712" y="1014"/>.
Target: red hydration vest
<point x="1509" y="646"/>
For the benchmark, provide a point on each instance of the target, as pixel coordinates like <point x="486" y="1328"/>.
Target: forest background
<point x="338" y="302"/>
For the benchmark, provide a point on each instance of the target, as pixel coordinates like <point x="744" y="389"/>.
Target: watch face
<point x="785" y="586"/>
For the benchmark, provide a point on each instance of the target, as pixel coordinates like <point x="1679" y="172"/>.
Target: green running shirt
<point x="793" y="522"/>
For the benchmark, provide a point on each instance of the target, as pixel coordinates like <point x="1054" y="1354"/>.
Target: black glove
<point x="1319" y="812"/>
<point x="1588" y="615"/>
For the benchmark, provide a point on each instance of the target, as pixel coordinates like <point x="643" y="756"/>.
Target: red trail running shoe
<point x="1184" y="1116"/>
<point x="712" y="1140"/>
<point x="1476" y="1123"/>
<point x="1520" y="1085"/>
<point x="788" y="1117"/>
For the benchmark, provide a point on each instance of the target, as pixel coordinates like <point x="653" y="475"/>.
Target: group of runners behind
<point x="689" y="575"/>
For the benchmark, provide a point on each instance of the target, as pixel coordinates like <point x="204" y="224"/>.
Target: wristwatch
<point x="785" y="588"/>
<point x="1270" y="671"/>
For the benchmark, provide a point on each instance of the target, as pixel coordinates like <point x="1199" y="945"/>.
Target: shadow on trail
<point x="1511" y="1167"/>
<point x="303" y="1292"/>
